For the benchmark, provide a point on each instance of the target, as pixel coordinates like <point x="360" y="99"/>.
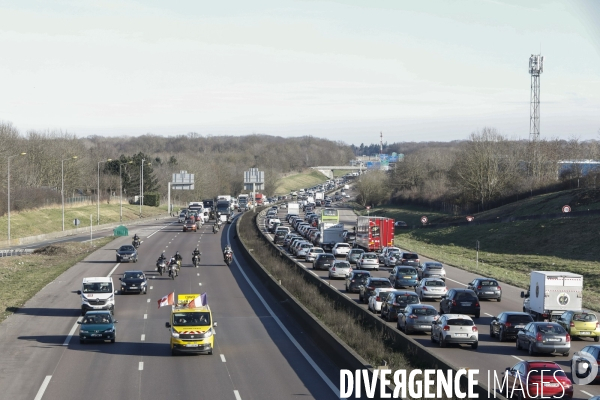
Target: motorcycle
<point x="215" y="228"/>
<point x="161" y="266"/>
<point x="228" y="258"/>
<point x="196" y="260"/>
<point x="136" y="243"/>
<point x="173" y="270"/>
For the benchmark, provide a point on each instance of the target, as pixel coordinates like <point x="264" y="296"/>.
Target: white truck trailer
<point x="551" y="293"/>
<point x="329" y="235"/>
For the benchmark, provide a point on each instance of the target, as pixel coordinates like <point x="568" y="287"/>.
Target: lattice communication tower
<point x="536" y="67"/>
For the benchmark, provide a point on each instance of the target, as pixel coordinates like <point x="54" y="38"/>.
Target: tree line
<point x="217" y="162"/>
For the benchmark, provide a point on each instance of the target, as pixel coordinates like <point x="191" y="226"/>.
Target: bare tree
<point x="373" y="188"/>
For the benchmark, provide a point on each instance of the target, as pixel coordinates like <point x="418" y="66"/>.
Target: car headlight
<point x="83" y="331"/>
<point x="207" y="334"/>
<point x="175" y="334"/>
<point x="111" y="330"/>
<point x="123" y="284"/>
<point x="143" y="284"/>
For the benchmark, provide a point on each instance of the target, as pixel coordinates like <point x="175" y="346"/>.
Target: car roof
<point x="400" y="292"/>
<point x="378" y="278"/>
<point x="541" y="364"/>
<point x="96" y="312"/>
<point x="133" y="271"/>
<point x="458" y="316"/>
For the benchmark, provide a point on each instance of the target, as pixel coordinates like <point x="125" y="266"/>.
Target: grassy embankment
<point x="510" y="251"/>
<point x="303" y="180"/>
<point x="22" y="277"/>
<point x="46" y="220"/>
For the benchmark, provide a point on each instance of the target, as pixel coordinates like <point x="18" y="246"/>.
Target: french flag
<point x="168" y="300"/>
<point x="198" y="301"/>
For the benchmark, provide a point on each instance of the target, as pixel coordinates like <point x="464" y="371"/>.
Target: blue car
<point x="403" y="276"/>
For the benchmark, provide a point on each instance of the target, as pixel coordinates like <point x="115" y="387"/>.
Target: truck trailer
<point x="374" y="233"/>
<point x="551" y="293"/>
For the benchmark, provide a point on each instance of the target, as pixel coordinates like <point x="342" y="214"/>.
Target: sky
<point x="345" y="70"/>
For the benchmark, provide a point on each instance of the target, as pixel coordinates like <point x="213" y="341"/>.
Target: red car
<point x="542" y="379"/>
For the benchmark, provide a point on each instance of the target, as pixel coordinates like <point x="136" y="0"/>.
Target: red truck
<point x="259" y="199"/>
<point x="374" y="233"/>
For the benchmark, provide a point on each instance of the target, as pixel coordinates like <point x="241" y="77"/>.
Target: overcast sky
<point x="344" y="70"/>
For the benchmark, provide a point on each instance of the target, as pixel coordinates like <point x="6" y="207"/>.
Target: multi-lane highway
<point x="260" y="352"/>
<point x="491" y="354"/>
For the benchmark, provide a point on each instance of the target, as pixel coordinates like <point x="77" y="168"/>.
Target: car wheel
<point x="492" y="332"/>
<point x="112" y="340"/>
<point x="477" y="315"/>
<point x="432" y="338"/>
<point x="474" y="345"/>
<point x="501" y="336"/>
<point x="441" y="311"/>
<point x="145" y="290"/>
<point x="597" y="339"/>
<point x="518" y="346"/>
<point x="566" y="354"/>
<point x="82" y="341"/>
<point x="441" y="341"/>
<point x="499" y="299"/>
<point x="118" y="259"/>
<point x="530" y="350"/>
<point x="407" y="330"/>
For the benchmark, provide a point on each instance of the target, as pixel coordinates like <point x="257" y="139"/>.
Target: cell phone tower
<point x="536" y="67"/>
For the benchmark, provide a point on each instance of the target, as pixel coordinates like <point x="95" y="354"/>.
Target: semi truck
<point x="258" y="197"/>
<point x="243" y="201"/>
<point x="329" y="235"/>
<point x="374" y="233"/>
<point x="293" y="208"/>
<point x="551" y="293"/>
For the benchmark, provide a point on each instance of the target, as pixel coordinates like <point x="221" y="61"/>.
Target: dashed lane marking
<point x="520" y="359"/>
<point x="45" y="383"/>
<point x="71" y="332"/>
<point x="145" y="316"/>
<point x="113" y="270"/>
<point x="489" y="315"/>
<point x="223" y="357"/>
<point x="141" y="366"/>
<point x="460" y="283"/>
<point x="237" y="395"/>
<point x="143" y="337"/>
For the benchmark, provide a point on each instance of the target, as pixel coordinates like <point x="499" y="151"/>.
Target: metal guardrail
<point x="15" y="252"/>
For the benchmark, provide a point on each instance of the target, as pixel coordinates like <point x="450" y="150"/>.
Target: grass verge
<point x="302" y="180"/>
<point x="21" y="277"/>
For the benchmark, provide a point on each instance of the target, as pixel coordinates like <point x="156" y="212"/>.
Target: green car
<point x="97" y="325"/>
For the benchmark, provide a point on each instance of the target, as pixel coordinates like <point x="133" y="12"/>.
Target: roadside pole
<point x="91" y="223"/>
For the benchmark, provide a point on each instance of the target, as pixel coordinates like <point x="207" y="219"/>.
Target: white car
<point x="390" y="259"/>
<point x="303" y="249"/>
<point x="368" y="261"/>
<point x="340" y="269"/>
<point x="385" y="251"/>
<point x="341" y="249"/>
<point x="312" y="253"/>
<point x="379" y="296"/>
<point x="431" y="288"/>
<point x="455" y="328"/>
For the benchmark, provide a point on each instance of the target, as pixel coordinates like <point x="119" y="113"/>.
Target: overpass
<point x="328" y="170"/>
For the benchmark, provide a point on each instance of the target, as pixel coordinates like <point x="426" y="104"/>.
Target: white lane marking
<point x="113" y="270"/>
<point x="237" y="395"/>
<point x="198" y="274"/>
<point x="489" y="315"/>
<point x="141" y="366"/>
<point x="587" y="394"/>
<point x="223" y="357"/>
<point x="151" y="287"/>
<point x="318" y="370"/>
<point x="199" y="283"/>
<point x="71" y="332"/>
<point x="145" y="316"/>
<point x="460" y="283"/>
<point x="520" y="359"/>
<point x="45" y="383"/>
<point x="143" y="337"/>
<point x="148" y="301"/>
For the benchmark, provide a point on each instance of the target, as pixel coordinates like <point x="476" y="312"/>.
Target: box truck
<point x="550" y="293"/>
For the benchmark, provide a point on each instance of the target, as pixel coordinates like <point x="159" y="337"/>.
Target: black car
<point x="486" y="288"/>
<point x="460" y="301"/>
<point x="323" y="261"/>
<point x="356" y="279"/>
<point x="127" y="253"/>
<point x="508" y="324"/>
<point x="368" y="288"/>
<point x="133" y="281"/>
<point x="396" y="302"/>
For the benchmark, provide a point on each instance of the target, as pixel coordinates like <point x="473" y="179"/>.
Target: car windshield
<point x="466" y="296"/>
<point x="360" y="276"/>
<point x="369" y="256"/>
<point x="410" y="256"/>
<point x="126" y="248"/>
<point x="489" y="283"/>
<point x="548" y="371"/>
<point x="424" y="311"/>
<point x="133" y="275"/>
<point x="380" y="283"/>
<point x="404" y="299"/>
<point x="97" y="319"/>
<point x="516" y="319"/>
<point x="584" y="317"/>
<point x="434" y="283"/>
<point x="433" y="266"/>
<point x="551" y="329"/>
<point x="460" y="322"/>
<point x="342" y="264"/>
<point x="394" y="254"/>
<point x="97" y="287"/>
<point x="191" y="319"/>
<point x="407" y="271"/>
<point x="384" y="295"/>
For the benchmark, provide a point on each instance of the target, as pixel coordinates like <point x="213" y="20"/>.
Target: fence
<point x="15" y="252"/>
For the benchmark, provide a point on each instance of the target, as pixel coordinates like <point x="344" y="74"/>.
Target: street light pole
<point x="62" y="190"/>
<point x="141" y="186"/>
<point x="121" y="186"/>
<point x="99" y="162"/>
<point x="22" y="154"/>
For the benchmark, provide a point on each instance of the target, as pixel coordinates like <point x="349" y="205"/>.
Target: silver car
<point x="455" y="328"/>
<point x="544" y="337"/>
<point x="312" y="253"/>
<point x="340" y="269"/>
<point x="368" y="261"/>
<point x="417" y="318"/>
<point x="379" y="296"/>
<point x="431" y="269"/>
<point x="431" y="288"/>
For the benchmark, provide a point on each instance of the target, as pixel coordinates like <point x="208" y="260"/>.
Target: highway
<point x="260" y="352"/>
<point x="491" y="354"/>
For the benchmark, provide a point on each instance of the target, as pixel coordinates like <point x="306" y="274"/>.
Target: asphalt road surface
<point x="491" y="354"/>
<point x="260" y="352"/>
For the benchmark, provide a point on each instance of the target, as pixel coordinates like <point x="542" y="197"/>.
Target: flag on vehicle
<point x="168" y="300"/>
<point x="198" y="301"/>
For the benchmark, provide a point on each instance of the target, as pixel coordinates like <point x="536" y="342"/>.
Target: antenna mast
<point x="536" y="67"/>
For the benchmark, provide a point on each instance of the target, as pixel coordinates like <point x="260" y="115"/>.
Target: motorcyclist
<point x="172" y="265"/>
<point x="215" y="227"/>
<point x="227" y="251"/>
<point x="178" y="259"/>
<point x="195" y="253"/>
<point x="162" y="257"/>
<point x="136" y="237"/>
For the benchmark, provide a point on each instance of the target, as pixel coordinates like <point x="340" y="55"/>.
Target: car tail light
<point x="333" y="269"/>
<point x="499" y="288"/>
<point x="425" y="288"/>
<point x="352" y="280"/>
<point x="417" y="260"/>
<point x="371" y="287"/>
<point x="453" y="302"/>
<point x="474" y="328"/>
<point x="446" y="328"/>
<point x="508" y="324"/>
<point x="479" y="287"/>
<point x="377" y="298"/>
<point x="476" y="304"/>
<point x="568" y="338"/>
<point x="572" y="323"/>
<point x="412" y="316"/>
<point x="538" y="337"/>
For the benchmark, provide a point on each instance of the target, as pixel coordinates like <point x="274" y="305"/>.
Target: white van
<point x="97" y="293"/>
